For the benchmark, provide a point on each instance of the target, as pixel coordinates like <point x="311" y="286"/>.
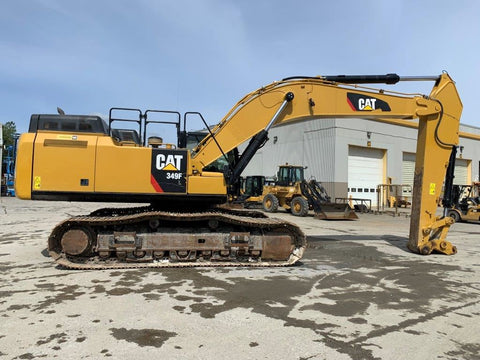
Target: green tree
<point x="9" y="129"/>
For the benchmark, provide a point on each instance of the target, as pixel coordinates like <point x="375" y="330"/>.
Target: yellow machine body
<point x="95" y="167"/>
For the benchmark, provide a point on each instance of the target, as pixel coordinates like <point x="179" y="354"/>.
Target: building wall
<point x="471" y="150"/>
<point x="322" y="145"/>
<point x="394" y="139"/>
<point x="300" y="143"/>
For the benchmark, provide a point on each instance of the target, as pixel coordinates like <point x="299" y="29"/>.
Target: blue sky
<point x="87" y="56"/>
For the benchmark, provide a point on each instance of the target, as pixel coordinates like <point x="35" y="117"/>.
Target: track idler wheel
<point x="77" y="241"/>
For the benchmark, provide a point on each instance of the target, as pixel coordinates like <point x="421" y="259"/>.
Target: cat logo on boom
<point x="359" y="102"/>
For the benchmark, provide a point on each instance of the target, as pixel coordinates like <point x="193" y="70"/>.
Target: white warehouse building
<point x="351" y="157"/>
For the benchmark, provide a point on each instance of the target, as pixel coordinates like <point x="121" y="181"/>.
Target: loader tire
<point x="454" y="215"/>
<point x="270" y="203"/>
<point x="299" y="206"/>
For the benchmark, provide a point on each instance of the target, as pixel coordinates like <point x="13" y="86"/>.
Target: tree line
<point x="9" y="129"/>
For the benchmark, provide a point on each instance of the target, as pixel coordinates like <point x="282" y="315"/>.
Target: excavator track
<point x="144" y="237"/>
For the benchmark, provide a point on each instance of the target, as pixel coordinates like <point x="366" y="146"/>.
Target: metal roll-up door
<point x="461" y="172"/>
<point x="365" y="172"/>
<point x="408" y="172"/>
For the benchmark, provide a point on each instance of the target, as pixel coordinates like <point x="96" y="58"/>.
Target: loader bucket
<point x="332" y="211"/>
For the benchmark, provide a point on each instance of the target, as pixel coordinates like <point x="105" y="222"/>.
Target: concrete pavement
<point x="357" y="294"/>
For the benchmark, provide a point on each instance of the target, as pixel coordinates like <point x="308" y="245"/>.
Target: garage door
<point x="461" y="172"/>
<point x="365" y="172"/>
<point x="408" y="170"/>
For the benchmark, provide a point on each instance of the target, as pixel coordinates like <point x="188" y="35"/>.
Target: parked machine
<point x="79" y="158"/>
<point x="393" y="195"/>
<point x="251" y="190"/>
<point x="291" y="191"/>
<point x="466" y="203"/>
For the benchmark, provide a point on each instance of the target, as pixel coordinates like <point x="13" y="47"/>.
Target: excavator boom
<point x="302" y="98"/>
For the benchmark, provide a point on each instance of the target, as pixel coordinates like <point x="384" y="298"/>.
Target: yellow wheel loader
<point x="293" y="193"/>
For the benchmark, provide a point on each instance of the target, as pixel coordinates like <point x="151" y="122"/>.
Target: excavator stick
<point x="437" y="135"/>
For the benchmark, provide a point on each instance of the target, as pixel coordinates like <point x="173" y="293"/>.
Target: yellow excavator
<point x="81" y="158"/>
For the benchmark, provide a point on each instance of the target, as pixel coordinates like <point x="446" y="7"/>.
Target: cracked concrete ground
<point x="357" y="294"/>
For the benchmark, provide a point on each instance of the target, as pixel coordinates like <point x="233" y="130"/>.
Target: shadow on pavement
<point x="397" y="241"/>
